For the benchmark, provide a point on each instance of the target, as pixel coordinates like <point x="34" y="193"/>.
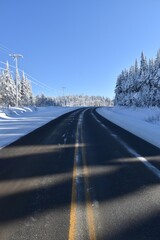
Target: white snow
<point x="143" y="122"/>
<point x="17" y="122"/>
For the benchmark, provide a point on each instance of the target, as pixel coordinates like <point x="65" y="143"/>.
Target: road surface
<point x="80" y="177"/>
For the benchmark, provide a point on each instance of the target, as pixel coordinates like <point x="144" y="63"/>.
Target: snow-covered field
<point x="143" y="122"/>
<point x="17" y="122"/>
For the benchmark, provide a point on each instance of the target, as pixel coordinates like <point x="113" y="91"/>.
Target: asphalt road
<point x="77" y="178"/>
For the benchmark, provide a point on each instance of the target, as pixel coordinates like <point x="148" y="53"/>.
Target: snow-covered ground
<point x="143" y="122"/>
<point x="17" y="122"/>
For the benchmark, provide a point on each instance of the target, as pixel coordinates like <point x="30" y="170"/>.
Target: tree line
<point x="9" y="88"/>
<point x="72" y="101"/>
<point x="140" y="85"/>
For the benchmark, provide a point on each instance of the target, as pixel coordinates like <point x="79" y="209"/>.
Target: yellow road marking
<point x="89" y="209"/>
<point x="72" y="228"/>
<point x="73" y="220"/>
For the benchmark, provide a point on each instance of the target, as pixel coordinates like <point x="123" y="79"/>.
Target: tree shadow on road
<point x="36" y="178"/>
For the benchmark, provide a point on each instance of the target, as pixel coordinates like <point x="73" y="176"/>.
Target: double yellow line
<point x="73" y="229"/>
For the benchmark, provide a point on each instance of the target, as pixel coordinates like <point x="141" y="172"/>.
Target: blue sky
<point x="81" y="45"/>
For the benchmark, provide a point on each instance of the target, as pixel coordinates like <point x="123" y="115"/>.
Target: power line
<point x="43" y="84"/>
<point x="5" y="49"/>
<point x="3" y="62"/>
<point x="35" y="81"/>
<point x="5" y="69"/>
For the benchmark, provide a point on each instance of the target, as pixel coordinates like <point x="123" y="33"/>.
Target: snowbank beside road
<point x="17" y="122"/>
<point x="143" y="122"/>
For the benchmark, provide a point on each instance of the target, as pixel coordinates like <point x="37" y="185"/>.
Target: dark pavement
<point x="73" y="179"/>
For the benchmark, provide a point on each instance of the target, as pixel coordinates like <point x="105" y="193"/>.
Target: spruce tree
<point x="7" y="88"/>
<point x="26" y="91"/>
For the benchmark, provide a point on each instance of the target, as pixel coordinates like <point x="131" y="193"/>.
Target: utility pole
<point x="15" y="57"/>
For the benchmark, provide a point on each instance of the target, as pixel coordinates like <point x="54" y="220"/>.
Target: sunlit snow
<point x="143" y="122"/>
<point x="17" y="122"/>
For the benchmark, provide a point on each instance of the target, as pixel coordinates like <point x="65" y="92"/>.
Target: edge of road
<point x="138" y="142"/>
<point x="139" y="148"/>
<point x="53" y="123"/>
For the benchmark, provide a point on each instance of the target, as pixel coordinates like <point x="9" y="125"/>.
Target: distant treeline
<point x="72" y="100"/>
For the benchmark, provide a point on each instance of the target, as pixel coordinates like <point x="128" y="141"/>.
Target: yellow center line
<point x="89" y="208"/>
<point x="72" y="228"/>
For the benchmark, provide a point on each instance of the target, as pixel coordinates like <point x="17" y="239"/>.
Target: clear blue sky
<point x="78" y="44"/>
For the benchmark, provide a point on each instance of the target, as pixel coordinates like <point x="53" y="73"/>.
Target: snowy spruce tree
<point x="26" y="97"/>
<point x="156" y="81"/>
<point x="7" y="88"/>
<point x="139" y="86"/>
